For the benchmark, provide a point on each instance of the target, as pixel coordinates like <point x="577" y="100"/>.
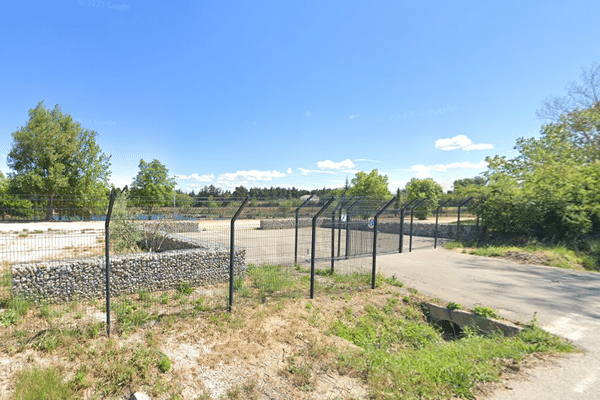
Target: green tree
<point x="469" y="182"/>
<point x="54" y="156"/>
<point x="11" y="205"/>
<point x="552" y="183"/>
<point x="424" y="189"/>
<point x="372" y="185"/>
<point x="152" y="186"/>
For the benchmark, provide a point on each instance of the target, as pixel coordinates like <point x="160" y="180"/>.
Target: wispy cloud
<point x="424" y="171"/>
<point x="289" y="171"/>
<point x="196" y="177"/>
<point x="328" y="164"/>
<point x="461" y="142"/>
<point x="305" y="171"/>
<point x="247" y="178"/>
<point x="253" y="175"/>
<point x="352" y="117"/>
<point x="366" y="160"/>
<point x="421" y="113"/>
<point x="308" y="114"/>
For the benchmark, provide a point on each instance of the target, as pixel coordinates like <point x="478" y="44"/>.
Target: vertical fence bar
<point x="232" y="252"/>
<point x="336" y="208"/>
<point x="437" y="215"/>
<point x="381" y="210"/>
<point x="107" y="254"/>
<point x="348" y="227"/>
<point x="412" y="212"/>
<point x="296" y="236"/>
<point x="313" y="247"/>
<point x="402" y="216"/>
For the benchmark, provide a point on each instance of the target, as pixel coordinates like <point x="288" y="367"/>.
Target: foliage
<point x="485" y="312"/>
<point x="125" y="236"/>
<point x="56" y="157"/>
<point x="401" y="358"/>
<point x="424" y="189"/>
<point x="372" y="185"/>
<point x="551" y="189"/>
<point x="152" y="186"/>
<point x="36" y="383"/>
<point x="477" y="181"/>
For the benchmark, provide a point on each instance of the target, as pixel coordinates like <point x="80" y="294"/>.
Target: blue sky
<point x="294" y="93"/>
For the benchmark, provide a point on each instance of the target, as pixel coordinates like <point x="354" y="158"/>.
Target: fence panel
<point x="170" y="261"/>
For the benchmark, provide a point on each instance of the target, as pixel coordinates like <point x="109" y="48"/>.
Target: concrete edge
<point x="464" y="318"/>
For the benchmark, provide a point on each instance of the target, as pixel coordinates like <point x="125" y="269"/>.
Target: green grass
<point x="16" y="308"/>
<point x="485" y="312"/>
<point x="37" y="383"/>
<point x="401" y="356"/>
<point x="404" y="358"/>
<point x="559" y="256"/>
<point x="270" y="279"/>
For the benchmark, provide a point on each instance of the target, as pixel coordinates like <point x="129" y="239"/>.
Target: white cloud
<point x="352" y="117"/>
<point x="305" y="171"/>
<point x="461" y="142"/>
<point x="366" y="160"/>
<point x="424" y="171"/>
<point x="253" y="175"/>
<point x="308" y="114"/>
<point x="196" y="177"/>
<point x="289" y="171"/>
<point x="328" y="164"/>
<point x="479" y="146"/>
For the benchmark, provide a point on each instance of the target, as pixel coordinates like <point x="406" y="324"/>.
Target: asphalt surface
<point x="565" y="302"/>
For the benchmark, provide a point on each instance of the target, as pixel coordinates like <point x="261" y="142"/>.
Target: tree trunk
<point x="50" y="208"/>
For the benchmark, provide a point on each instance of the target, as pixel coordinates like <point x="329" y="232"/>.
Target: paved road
<point x="566" y="302"/>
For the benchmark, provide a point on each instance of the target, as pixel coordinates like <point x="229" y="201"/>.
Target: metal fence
<point x="162" y="261"/>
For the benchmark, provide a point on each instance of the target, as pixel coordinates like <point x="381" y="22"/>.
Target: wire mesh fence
<point x="209" y="255"/>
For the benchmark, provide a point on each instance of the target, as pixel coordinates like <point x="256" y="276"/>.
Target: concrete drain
<point x="452" y="322"/>
<point x="449" y="329"/>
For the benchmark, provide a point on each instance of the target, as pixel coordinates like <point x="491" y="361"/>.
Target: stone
<point x="139" y="396"/>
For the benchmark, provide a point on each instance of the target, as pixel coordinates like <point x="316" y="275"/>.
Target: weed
<point x="199" y="304"/>
<point x="16" y="308"/>
<point x="164" y="298"/>
<point x="300" y="374"/>
<point x="485" y="312"/>
<point x="454" y="306"/>
<point x="143" y="295"/>
<point x="37" y="383"/>
<point x="164" y="364"/>
<point x="393" y="281"/>
<point x="247" y="391"/>
<point x="404" y="359"/>
<point x="453" y="245"/>
<point x="185" y="289"/>
<point x="270" y="279"/>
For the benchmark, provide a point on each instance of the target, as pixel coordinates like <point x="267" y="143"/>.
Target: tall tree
<point x="55" y="156"/>
<point x="424" y="189"/>
<point x="152" y="186"/>
<point x="372" y="185"/>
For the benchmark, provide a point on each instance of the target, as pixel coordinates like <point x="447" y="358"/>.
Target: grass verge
<point x="552" y="255"/>
<point x="378" y="339"/>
